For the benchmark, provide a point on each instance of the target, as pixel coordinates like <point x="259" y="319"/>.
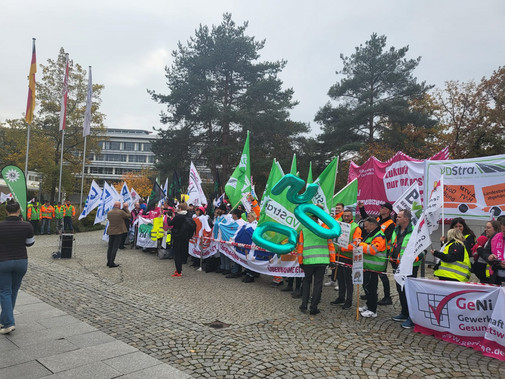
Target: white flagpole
<point x="82" y="176"/>
<point x="443" y="204"/>
<point x="86" y="128"/>
<point x="63" y="114"/>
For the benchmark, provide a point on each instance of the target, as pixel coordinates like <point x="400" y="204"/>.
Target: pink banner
<point x="386" y="181"/>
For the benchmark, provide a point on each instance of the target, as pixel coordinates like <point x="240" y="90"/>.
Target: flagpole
<point x="83" y="163"/>
<point x="27" y="150"/>
<point x="63" y="115"/>
<point x="61" y="163"/>
<point x="30" y="106"/>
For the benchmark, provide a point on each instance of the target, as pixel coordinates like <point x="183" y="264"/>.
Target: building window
<point x="114" y="157"/>
<point x="146" y="147"/>
<point x="111" y="145"/>
<point x="108" y="170"/>
<point x="129" y="146"/>
<point x="137" y="158"/>
<point x="150" y="159"/>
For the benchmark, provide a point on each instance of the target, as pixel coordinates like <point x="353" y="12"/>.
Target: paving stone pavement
<point x="141" y="305"/>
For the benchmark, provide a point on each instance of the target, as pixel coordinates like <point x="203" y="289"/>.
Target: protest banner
<point x="387" y="181"/>
<point x="411" y="200"/>
<point x="474" y="188"/>
<point x="466" y="314"/>
<point x="144" y="233"/>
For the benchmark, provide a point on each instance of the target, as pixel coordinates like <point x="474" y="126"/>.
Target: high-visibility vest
<point x="157" y="231"/>
<point x="459" y="270"/>
<point x="58" y="212"/>
<point x="405" y="241"/>
<point x="47" y="212"/>
<point x="383" y="227"/>
<point x="315" y="249"/>
<point x="69" y="211"/>
<point x="377" y="261"/>
<point x="33" y="213"/>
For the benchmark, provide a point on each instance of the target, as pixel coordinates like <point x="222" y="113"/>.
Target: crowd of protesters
<point x="382" y="239"/>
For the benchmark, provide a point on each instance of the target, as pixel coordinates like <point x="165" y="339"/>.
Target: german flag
<point x="30" y="104"/>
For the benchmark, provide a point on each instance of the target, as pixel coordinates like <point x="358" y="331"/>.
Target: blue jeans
<point x="67" y="223"/>
<point x="225" y="262"/>
<point x="11" y="275"/>
<point x="45" y="227"/>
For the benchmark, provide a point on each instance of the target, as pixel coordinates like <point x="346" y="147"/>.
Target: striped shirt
<point x="15" y="236"/>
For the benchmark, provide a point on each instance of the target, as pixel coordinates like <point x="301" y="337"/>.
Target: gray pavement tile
<point x="42" y="310"/>
<point x="56" y="322"/>
<point x="48" y="348"/>
<point x="24" y="338"/>
<point x="80" y="357"/>
<point x="27" y="370"/>
<point x="90" y="339"/>
<point x="96" y="370"/>
<point x="25" y="298"/>
<point x="160" y="371"/>
<point x="13" y="357"/>
<point x="6" y="344"/>
<point x="129" y="363"/>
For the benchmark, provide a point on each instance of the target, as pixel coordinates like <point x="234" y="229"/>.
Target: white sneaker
<point x="7" y="330"/>
<point x="368" y="314"/>
<point x="330" y="283"/>
<point x="336" y="287"/>
<point x="363" y="309"/>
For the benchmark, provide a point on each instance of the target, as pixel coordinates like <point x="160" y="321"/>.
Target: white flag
<point x="419" y="241"/>
<point x="107" y="200"/>
<point x="5" y="196"/>
<point x="126" y="196"/>
<point x="195" y="191"/>
<point x="411" y="200"/>
<point x="434" y="208"/>
<point x="86" y="127"/>
<point x="92" y="201"/>
<point x="135" y="196"/>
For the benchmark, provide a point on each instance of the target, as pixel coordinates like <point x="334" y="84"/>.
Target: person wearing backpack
<point x="182" y="231"/>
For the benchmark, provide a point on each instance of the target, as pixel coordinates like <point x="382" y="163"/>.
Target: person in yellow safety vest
<point x="374" y="258"/>
<point x="339" y="210"/>
<point x="387" y="226"/>
<point x="344" y="255"/>
<point x="33" y="215"/>
<point x="69" y="212"/>
<point x="314" y="254"/>
<point x="46" y="214"/>
<point x="454" y="260"/>
<point x="58" y="216"/>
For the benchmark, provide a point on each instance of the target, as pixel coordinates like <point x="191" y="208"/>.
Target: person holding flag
<point x="400" y="240"/>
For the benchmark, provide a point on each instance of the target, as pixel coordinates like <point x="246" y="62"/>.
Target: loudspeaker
<point x="66" y="242"/>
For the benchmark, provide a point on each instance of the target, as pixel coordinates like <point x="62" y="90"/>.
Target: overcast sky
<point x="128" y="43"/>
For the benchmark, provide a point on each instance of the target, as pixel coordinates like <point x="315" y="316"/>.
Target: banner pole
<point x="82" y="177"/>
<point x="61" y="163"/>
<point x="357" y="307"/>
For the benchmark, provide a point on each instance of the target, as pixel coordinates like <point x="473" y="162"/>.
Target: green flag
<point x="309" y="175"/>
<point x="239" y="183"/>
<point x="277" y="208"/>
<point x="347" y="195"/>
<point x="156" y="195"/>
<point x="293" y="171"/>
<point x="16" y="181"/>
<point x="326" y="182"/>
